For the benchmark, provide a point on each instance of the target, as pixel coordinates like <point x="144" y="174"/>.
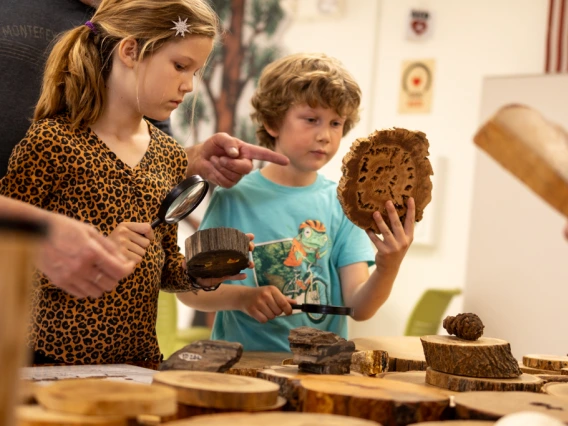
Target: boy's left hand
<point x="395" y="243"/>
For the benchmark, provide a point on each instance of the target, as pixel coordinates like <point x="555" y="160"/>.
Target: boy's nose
<point x="323" y="135"/>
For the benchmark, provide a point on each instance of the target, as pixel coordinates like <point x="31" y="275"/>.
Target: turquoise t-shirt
<point x="302" y="238"/>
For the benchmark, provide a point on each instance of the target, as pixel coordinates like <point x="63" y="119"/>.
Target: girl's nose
<point x="186" y="86"/>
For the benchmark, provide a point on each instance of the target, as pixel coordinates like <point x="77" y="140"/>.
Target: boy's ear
<point x="271" y="131"/>
<point x="128" y="52"/>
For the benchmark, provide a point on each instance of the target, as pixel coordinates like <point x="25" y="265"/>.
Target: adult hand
<point x="133" y="238"/>
<point x="224" y="160"/>
<point x="79" y="260"/>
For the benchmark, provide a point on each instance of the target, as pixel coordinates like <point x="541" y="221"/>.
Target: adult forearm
<point x="20" y="210"/>
<point x="228" y="297"/>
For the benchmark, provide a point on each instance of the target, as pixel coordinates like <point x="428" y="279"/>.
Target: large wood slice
<point x="405" y="352"/>
<point x="107" y="398"/>
<point x="216" y="252"/>
<point x="556" y="389"/>
<point x="385" y="401"/>
<point x="533" y="149"/>
<point x="493" y="405"/>
<point x="546" y="362"/>
<point x="253" y="361"/>
<point x="484" y="358"/>
<point x="34" y="415"/>
<point x="205" y="355"/>
<point x="185" y="411"/>
<point x="273" y="419"/>
<point x="387" y="165"/>
<point x="526" y="382"/>
<point x="531" y="370"/>
<point x="456" y="423"/>
<point x="414" y="377"/>
<point x="217" y="390"/>
<point x="370" y="363"/>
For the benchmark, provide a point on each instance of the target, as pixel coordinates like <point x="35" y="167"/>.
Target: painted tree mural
<point x="252" y="30"/>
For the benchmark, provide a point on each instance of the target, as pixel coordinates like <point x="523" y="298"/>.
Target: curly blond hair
<point x="305" y="78"/>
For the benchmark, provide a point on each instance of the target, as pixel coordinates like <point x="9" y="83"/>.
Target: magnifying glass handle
<point x="155" y="223"/>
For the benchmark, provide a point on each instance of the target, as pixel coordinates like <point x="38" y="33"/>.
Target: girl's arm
<point x="366" y="294"/>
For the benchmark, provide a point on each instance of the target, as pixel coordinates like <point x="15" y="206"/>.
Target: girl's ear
<point x="128" y="52"/>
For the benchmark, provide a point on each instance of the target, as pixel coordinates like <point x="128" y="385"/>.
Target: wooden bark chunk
<point x="253" y="361"/>
<point x="216" y="390"/>
<point x="387" y="402"/>
<point x="107" y="398"/>
<point x="34" y="415"/>
<point x="546" y="362"/>
<point x="414" y="377"/>
<point x="370" y="363"/>
<point x="532" y="149"/>
<point x="526" y="383"/>
<point x="273" y="419"/>
<point x="216" y="252"/>
<point x="405" y="353"/>
<point x="531" y="370"/>
<point x="483" y="358"/>
<point x="205" y="355"/>
<point x="387" y="165"/>
<point x="556" y="389"/>
<point x="493" y="405"/>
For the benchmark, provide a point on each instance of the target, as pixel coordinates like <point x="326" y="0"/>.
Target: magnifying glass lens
<point x="185" y="202"/>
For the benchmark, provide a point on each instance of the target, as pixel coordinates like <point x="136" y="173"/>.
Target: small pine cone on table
<point x="465" y="326"/>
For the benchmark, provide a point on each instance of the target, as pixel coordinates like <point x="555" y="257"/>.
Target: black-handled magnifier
<point x="323" y="309"/>
<point x="182" y="200"/>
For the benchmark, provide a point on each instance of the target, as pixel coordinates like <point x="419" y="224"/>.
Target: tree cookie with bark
<point x="387" y="165"/>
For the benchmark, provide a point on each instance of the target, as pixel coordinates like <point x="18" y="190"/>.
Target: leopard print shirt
<point x="72" y="172"/>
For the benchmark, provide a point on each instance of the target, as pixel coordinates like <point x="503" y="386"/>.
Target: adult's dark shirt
<point x="28" y="29"/>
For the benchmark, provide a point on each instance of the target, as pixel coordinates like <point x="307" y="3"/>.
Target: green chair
<point x="426" y="316"/>
<point x="170" y="338"/>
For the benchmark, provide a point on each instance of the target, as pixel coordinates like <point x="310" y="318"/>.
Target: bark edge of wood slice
<point x="546" y="362"/>
<point x="390" y="164"/>
<point x="524" y="383"/>
<point x="485" y="357"/>
<point x="274" y="419"/>
<point x="35" y="415"/>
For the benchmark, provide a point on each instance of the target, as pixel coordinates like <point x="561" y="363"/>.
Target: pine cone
<point x="465" y="326"/>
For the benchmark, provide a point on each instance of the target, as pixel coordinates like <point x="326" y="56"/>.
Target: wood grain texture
<point x="489" y="405"/>
<point x="526" y="382"/>
<point x="107" y="398"/>
<point x="556" y="389"/>
<point x="484" y="358"/>
<point x="273" y="419"/>
<point x="186" y="411"/>
<point x="405" y="352"/>
<point x="218" y="390"/>
<point x="546" y="362"/>
<point x="532" y="149"/>
<point x="456" y="423"/>
<point x="385" y="401"/>
<point x="414" y="377"/>
<point x="253" y="361"/>
<point x="370" y="363"/>
<point x="34" y="415"/>
<point x="531" y="370"/>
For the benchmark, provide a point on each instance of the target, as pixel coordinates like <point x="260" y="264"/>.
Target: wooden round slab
<point x="414" y="377"/>
<point x="531" y="370"/>
<point x="387" y="165"/>
<point x="556" y="389"/>
<point x="107" y="398"/>
<point x="456" y="423"/>
<point x="484" y="358"/>
<point x="218" y="390"/>
<point x="546" y="362"/>
<point x="185" y="411"/>
<point x="493" y="405"/>
<point x="34" y="415"/>
<point x="273" y="419"/>
<point x="405" y="353"/>
<point x="526" y="382"/>
<point x="216" y="252"/>
<point x="564" y="371"/>
<point x="385" y="401"/>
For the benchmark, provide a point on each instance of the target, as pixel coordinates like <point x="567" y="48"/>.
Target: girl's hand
<point x="133" y="238"/>
<point x="265" y="303"/>
<point x="394" y="245"/>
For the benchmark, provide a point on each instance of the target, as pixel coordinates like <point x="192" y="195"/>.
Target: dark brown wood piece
<point x="205" y="355"/>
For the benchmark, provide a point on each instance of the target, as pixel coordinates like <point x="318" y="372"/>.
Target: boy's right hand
<point x="265" y="303"/>
<point x="133" y="238"/>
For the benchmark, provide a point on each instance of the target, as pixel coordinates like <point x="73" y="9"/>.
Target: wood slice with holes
<point x="485" y="357"/>
<point x="405" y="353"/>
<point x="273" y="419"/>
<point x="489" y="405"/>
<point x="34" y="415"/>
<point x="531" y="370"/>
<point x="556" y="389"/>
<point x="370" y="363"/>
<point x="218" y="390"/>
<point x="533" y="149"/>
<point x="253" y="361"/>
<point x="414" y="377"/>
<point x="216" y="252"/>
<point x="106" y="398"/>
<point x="546" y="362"/>
<point x="387" y="165"/>
<point x="525" y="383"/>
<point x="385" y="401"/>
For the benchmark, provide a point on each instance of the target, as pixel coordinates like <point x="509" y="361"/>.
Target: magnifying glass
<point x="182" y="200"/>
<point x="323" y="309"/>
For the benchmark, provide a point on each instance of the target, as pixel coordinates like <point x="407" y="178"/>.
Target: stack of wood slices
<point x="469" y="362"/>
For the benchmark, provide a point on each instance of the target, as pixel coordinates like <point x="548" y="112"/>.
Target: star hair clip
<point x="181" y="27"/>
